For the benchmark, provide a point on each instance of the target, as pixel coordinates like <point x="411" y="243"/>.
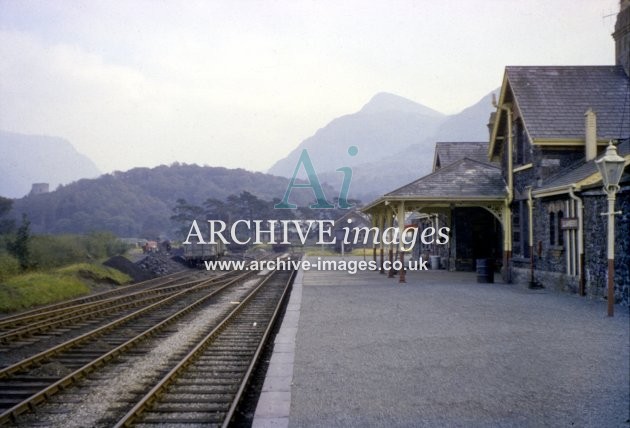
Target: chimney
<point x="491" y="120"/>
<point x="622" y="36"/>
<point x="590" y="134"/>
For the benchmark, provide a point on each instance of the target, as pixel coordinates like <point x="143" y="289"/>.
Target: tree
<point x="217" y="210"/>
<point x="19" y="247"/>
<point x="183" y="215"/>
<point x="6" y="224"/>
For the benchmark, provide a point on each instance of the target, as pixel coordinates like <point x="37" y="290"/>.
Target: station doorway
<point x="476" y="234"/>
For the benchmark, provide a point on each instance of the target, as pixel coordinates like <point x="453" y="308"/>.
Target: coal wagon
<point x="196" y="253"/>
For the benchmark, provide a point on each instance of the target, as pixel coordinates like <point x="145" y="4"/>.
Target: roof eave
<point x="553" y="191"/>
<point x="497" y="119"/>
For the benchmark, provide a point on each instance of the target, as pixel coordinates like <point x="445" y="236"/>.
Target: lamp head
<point x="610" y="167"/>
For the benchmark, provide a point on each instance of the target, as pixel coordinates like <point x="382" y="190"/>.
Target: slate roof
<point x="579" y="171"/>
<point x="553" y="99"/>
<point x="463" y="179"/>
<point x="355" y="215"/>
<point x="448" y="152"/>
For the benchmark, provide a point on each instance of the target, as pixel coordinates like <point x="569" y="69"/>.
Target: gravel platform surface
<point x="443" y="350"/>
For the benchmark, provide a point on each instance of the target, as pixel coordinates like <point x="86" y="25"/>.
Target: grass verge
<point x="96" y="273"/>
<point x="41" y="288"/>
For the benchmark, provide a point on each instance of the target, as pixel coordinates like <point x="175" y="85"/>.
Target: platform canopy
<point x="464" y="183"/>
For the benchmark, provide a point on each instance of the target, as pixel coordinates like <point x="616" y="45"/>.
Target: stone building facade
<point x="537" y="192"/>
<point x="549" y="129"/>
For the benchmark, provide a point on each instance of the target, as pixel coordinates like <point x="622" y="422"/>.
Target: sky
<point x="242" y="83"/>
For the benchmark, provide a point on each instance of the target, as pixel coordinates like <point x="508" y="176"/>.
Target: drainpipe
<point x="530" y="211"/>
<point x="507" y="218"/>
<point x="580" y="214"/>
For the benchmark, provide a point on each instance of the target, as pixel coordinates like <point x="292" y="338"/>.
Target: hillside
<point x="385" y="125"/>
<point x="396" y="138"/>
<point x="28" y="159"/>
<point x="416" y="160"/>
<point x="139" y="202"/>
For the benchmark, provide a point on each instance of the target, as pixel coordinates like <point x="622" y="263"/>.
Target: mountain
<point x="471" y="124"/>
<point x="140" y="202"/>
<point x="385" y="125"/>
<point x="395" y="137"/>
<point x="28" y="159"/>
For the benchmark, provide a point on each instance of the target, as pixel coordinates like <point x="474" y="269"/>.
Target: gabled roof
<point x="354" y="215"/>
<point x="553" y="99"/>
<point x="580" y="173"/>
<point x="448" y="152"/>
<point x="463" y="179"/>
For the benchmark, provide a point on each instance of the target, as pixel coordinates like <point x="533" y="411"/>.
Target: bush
<point x="50" y="251"/>
<point x="104" y="244"/>
<point x="9" y="266"/>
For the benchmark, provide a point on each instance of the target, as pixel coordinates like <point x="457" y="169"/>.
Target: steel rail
<point x="28" y="362"/>
<point x="74" y="314"/>
<point x="44" y="311"/>
<point x="44" y="394"/>
<point x="252" y="365"/>
<point x="161" y="387"/>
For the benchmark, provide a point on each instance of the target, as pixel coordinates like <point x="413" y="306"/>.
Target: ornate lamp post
<point x="610" y="167"/>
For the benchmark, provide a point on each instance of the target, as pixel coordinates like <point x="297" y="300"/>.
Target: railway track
<point x="204" y="388"/>
<point x="35" y="379"/>
<point x="105" y="307"/>
<point x="222" y="352"/>
<point x="8" y="323"/>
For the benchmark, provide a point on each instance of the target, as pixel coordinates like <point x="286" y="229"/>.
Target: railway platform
<point x="443" y="350"/>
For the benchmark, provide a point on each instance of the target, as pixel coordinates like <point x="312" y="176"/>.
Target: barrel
<point x="435" y="262"/>
<point x="485" y="271"/>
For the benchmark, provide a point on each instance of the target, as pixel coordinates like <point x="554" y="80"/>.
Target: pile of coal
<point x="126" y="266"/>
<point x="159" y="264"/>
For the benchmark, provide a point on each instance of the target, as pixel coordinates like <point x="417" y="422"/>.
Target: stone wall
<point x="522" y="179"/>
<point x="595" y="244"/>
<point x="550" y="262"/>
<point x="548" y="162"/>
<point x="550" y="280"/>
<point x="549" y="257"/>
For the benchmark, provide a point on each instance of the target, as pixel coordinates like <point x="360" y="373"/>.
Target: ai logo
<point x="314" y="184"/>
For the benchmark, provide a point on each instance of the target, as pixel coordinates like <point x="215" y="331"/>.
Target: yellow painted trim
<point x="596" y="177"/>
<point x="523" y="167"/>
<point x="592" y="179"/>
<point x="552" y="192"/>
<point x="564" y="142"/>
<point x="380" y="204"/>
<point x="588" y="181"/>
<point x="497" y="118"/>
<point x="445" y="199"/>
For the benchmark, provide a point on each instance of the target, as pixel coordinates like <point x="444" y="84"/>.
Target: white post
<point x="611" y="251"/>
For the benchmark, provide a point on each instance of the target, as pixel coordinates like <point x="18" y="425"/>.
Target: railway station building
<point x="531" y="198"/>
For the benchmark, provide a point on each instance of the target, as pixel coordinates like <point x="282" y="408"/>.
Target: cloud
<point x="240" y="84"/>
<point x="62" y="90"/>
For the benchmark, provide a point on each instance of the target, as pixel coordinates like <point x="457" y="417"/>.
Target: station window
<point x="556" y="234"/>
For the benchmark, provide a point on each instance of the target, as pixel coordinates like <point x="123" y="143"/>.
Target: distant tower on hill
<point x="622" y="36"/>
<point x="39" y="188"/>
